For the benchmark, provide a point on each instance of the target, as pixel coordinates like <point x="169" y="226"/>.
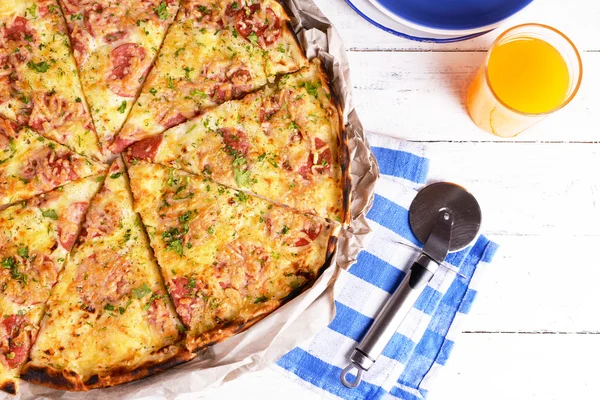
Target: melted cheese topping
<point x="101" y="28"/>
<point x="47" y="86"/>
<point x="226" y="256"/>
<point x="110" y="308"/>
<point x="31" y="164"/>
<point x="281" y="143"/>
<point x="35" y="239"/>
<point x="205" y="61"/>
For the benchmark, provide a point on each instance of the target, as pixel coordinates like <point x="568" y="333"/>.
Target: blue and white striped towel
<point x="424" y="341"/>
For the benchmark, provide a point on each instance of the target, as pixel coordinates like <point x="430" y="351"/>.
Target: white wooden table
<point x="534" y="332"/>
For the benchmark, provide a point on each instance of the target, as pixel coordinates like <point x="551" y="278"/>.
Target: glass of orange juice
<point x="531" y="71"/>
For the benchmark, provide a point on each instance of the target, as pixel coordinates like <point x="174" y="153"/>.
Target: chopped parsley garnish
<point x="50" y="213"/>
<point x="41" y="67"/>
<point x="122" y="107"/>
<point x="170" y="83"/>
<point x="198" y="93"/>
<point x="12" y="265"/>
<point x="241" y="197"/>
<point x="261" y="299"/>
<point x="285" y="230"/>
<point x="262" y="156"/>
<point x="281" y="48"/>
<point x="31" y="10"/>
<point x="242" y="177"/>
<point x="77" y="17"/>
<point x="211" y="230"/>
<point x="153" y="92"/>
<point x="253" y="38"/>
<point x="181" y="328"/>
<point x="23" y="252"/>
<point x="203" y="9"/>
<point x="179" y="50"/>
<point x="311" y="88"/>
<point x="142" y="291"/>
<point x="235" y="5"/>
<point x="206" y="170"/>
<point x="109" y="307"/>
<point x="161" y="11"/>
<point x="116" y="175"/>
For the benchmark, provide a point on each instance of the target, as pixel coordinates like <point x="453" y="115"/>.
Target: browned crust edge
<point x="218" y="335"/>
<point x="71" y="381"/>
<point x="9" y="386"/>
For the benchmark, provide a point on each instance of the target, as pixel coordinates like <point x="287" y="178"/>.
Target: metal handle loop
<point x="346" y="371"/>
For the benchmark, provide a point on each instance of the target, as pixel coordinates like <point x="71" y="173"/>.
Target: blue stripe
<point x="350" y="322"/>
<point x="401" y="164"/>
<point x="403" y="394"/>
<point x="392" y="216"/>
<point x="467" y="302"/>
<point x="377" y="272"/>
<point x="428" y="300"/>
<point x="326" y="376"/>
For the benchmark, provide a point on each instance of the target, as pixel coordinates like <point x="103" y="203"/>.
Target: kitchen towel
<point x="422" y="344"/>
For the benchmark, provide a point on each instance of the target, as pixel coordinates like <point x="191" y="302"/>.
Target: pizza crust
<point x="69" y="380"/>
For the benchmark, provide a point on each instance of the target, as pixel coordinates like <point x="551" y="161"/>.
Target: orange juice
<point x="529" y="75"/>
<point x="531" y="71"/>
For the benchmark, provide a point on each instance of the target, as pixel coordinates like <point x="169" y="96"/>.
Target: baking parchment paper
<point x="310" y="312"/>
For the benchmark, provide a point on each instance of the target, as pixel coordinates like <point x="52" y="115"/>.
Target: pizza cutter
<point x="446" y="218"/>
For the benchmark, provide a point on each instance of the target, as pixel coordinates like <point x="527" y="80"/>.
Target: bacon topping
<point x="256" y="25"/>
<point x="127" y="69"/>
<point x="50" y="168"/>
<point x="236" y="140"/>
<point x="309" y="233"/>
<point x="184" y="293"/>
<point x="147" y="148"/>
<point x="51" y="111"/>
<point x="68" y="224"/>
<point x="15" y="340"/>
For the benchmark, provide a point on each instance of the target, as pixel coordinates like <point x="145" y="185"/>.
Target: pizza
<point x="114" y="44"/>
<point x="109" y="319"/>
<point x="279" y="143"/>
<point x="170" y="174"/>
<point x="35" y="239"/>
<point x="31" y="164"/>
<point x="39" y="84"/>
<point x="215" y="51"/>
<point x="228" y="258"/>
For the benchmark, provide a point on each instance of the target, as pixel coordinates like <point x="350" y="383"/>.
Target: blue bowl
<point x="447" y="16"/>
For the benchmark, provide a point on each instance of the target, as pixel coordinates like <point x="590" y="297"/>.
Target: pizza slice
<point x="282" y="143"/>
<point x="35" y="239"/>
<point x="215" y="51"/>
<point x="39" y="85"/>
<point x="31" y="164"/>
<point x="114" y="44"/>
<point x="109" y="319"/>
<point x="228" y="258"/>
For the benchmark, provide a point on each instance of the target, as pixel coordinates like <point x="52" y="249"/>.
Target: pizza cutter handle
<point x="389" y="319"/>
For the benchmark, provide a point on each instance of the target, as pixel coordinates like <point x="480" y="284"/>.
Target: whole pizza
<point x="170" y="173"/>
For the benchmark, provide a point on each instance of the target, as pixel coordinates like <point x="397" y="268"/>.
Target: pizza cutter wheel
<point x="446" y="218"/>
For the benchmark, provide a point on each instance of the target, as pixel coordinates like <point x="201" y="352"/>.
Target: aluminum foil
<point x="310" y="312"/>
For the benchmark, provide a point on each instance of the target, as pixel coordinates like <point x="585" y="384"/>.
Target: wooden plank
<point x="421" y="96"/>
<point x="521" y="367"/>
<point x="577" y="19"/>
<point x="534" y="189"/>
<point x="538" y="284"/>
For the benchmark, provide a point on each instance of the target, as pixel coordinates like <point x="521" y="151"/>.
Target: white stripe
<point x="388" y="142"/>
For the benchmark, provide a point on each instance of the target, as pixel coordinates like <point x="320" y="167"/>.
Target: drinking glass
<point x="494" y="115"/>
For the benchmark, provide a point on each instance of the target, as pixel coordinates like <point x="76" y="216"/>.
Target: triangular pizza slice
<point x="215" y="51"/>
<point x="114" y="44"/>
<point x="31" y="164"/>
<point x="35" y="239"/>
<point x="39" y="84"/>
<point x="109" y="319"/>
<point x="228" y="258"/>
<point x="282" y="143"/>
